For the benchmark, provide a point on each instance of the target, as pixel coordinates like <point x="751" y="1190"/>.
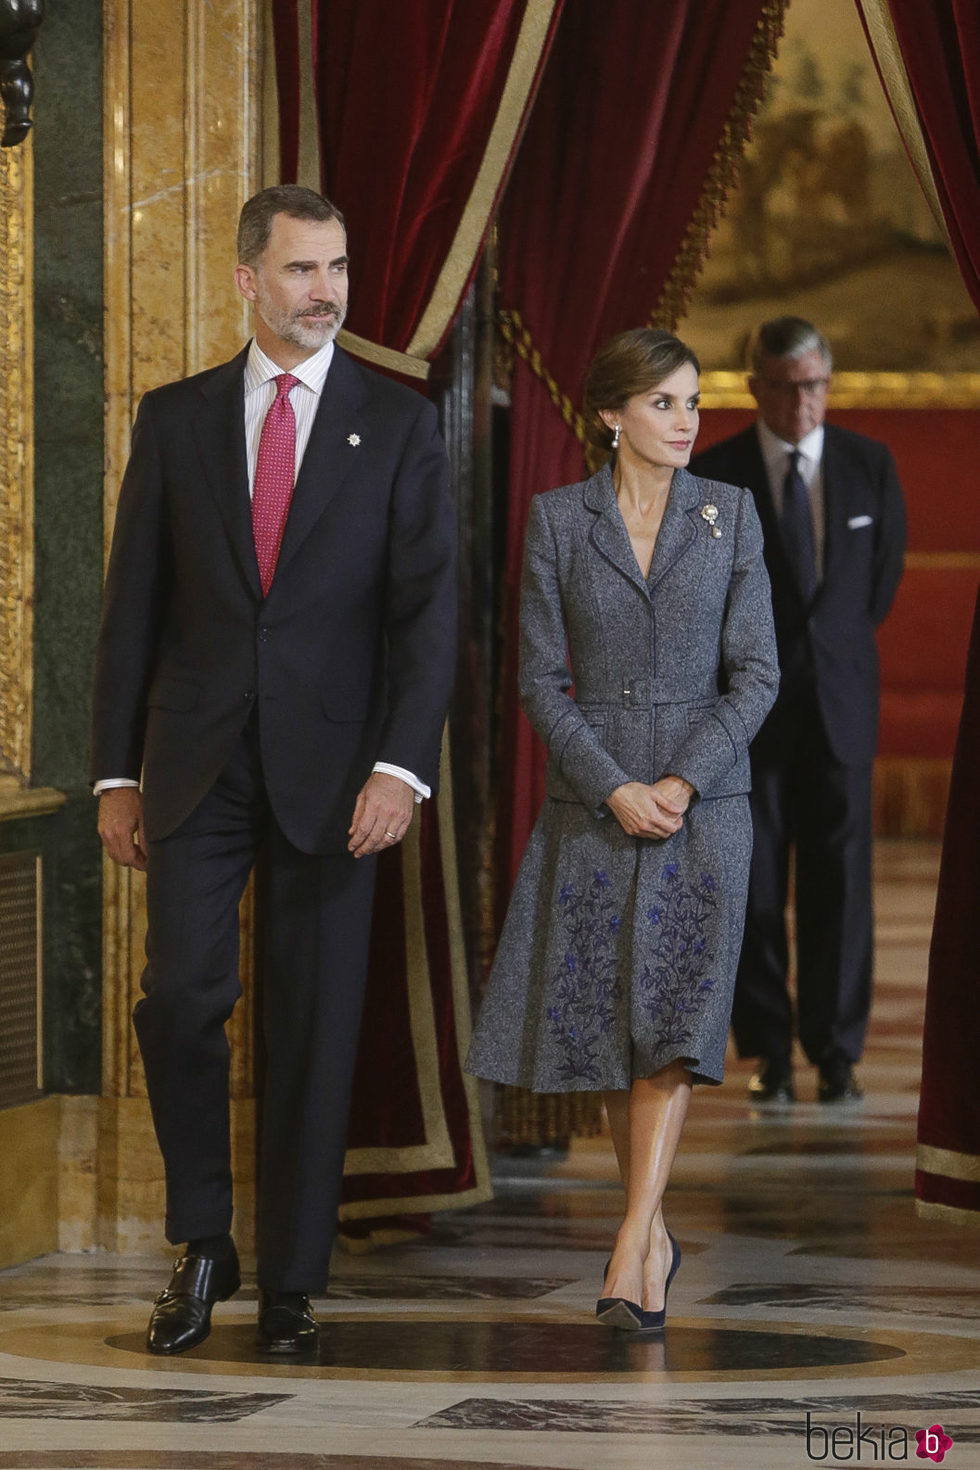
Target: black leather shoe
<point x="836" y="1082"/>
<point x="181" y="1316"/>
<point x="773" y="1082"/>
<point x="286" y="1322"/>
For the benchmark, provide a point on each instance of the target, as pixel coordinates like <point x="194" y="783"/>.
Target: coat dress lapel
<point x="678" y="530"/>
<point x="609" y="535"/>
<point x="679" y="527"/>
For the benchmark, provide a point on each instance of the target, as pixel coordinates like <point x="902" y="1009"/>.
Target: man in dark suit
<point x="274" y="663"/>
<point x="834" y="525"/>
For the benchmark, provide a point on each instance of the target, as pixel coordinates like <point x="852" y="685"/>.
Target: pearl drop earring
<point x="616" y="434"/>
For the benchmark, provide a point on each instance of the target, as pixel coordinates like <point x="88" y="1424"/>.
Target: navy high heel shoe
<point x="619" y="1311"/>
<point x="616" y="1311"/>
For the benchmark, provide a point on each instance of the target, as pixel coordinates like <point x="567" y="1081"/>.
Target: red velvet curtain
<point x="940" y="46"/>
<point x="419" y="105"/>
<point x="406" y="96"/>
<point x="635" y="103"/>
<point x="947" y="1177"/>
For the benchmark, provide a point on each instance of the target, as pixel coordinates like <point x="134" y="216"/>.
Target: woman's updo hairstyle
<point x="631" y="362"/>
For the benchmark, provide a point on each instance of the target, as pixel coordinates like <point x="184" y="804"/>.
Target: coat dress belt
<point x="639" y="693"/>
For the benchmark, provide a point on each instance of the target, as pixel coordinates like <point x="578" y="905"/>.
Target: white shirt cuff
<point x="422" y="792"/>
<point x="111" y="782"/>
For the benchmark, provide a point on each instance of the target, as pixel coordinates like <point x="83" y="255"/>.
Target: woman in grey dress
<point x="648" y="662"/>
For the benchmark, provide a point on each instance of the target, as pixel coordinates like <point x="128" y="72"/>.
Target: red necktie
<point x="275" y="475"/>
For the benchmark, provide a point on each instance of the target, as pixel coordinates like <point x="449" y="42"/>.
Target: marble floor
<point x="815" y="1318"/>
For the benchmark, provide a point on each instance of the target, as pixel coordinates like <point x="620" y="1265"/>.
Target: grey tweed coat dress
<point x="618" y="954"/>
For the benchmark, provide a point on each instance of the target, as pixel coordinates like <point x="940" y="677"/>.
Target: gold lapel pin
<point x="709" y="513"/>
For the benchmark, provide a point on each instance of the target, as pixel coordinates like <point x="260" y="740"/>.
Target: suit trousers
<point x="316" y="914"/>
<point x="805" y="800"/>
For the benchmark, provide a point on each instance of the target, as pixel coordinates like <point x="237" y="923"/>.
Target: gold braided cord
<point x="513" y="330"/>
<point x="724" y="170"/>
<point x="722" y="176"/>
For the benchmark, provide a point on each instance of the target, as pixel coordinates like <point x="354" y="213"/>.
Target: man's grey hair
<point x="786" y="336"/>
<point x="255" y="223"/>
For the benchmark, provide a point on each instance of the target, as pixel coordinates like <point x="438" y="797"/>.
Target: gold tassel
<point x="723" y="173"/>
<point x="545" y="1119"/>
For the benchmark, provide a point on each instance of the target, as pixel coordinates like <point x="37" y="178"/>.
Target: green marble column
<point x="69" y="459"/>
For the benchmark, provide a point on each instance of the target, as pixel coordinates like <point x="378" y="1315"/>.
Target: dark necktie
<point x="275" y="473"/>
<point x="796" y="525"/>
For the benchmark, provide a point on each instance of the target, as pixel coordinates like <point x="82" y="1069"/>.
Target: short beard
<point x="310" y="330"/>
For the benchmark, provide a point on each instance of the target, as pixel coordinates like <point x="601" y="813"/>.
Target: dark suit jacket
<point x="830" y="645"/>
<point x="350" y="658"/>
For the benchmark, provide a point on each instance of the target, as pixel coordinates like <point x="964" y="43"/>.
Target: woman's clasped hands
<point x="651" y="811"/>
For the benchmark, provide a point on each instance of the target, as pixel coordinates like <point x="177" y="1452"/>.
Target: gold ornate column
<point x="182" y="151"/>
<point x="16" y="464"/>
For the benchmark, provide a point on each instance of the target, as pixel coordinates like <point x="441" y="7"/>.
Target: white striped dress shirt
<point x="260" y="391"/>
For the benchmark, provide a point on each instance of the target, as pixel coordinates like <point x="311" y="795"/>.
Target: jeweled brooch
<point x="355" y="439"/>
<point x="709" y="513"/>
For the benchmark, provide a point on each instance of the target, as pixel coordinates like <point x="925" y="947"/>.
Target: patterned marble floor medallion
<point x="937" y="1302"/>
<point x="24" y="1398"/>
<point x="508" y="1347"/>
<point x="738" y="1417"/>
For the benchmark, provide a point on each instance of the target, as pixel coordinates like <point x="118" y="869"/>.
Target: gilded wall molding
<point x="182" y="152"/>
<point x="859" y="390"/>
<point x="17" y="453"/>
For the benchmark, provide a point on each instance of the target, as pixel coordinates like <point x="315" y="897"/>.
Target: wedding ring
<point x="391" y="835"/>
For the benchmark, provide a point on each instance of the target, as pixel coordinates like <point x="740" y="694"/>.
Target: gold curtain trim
<point x="472" y="226"/>
<point x="513" y="330"/>
<point x="948" y="1162"/>
<point x="724" y="170"/>
<point x="308" y="166"/>
<point x="931" y="1210"/>
<point x="483" y="1189"/>
<point x="385" y="357"/>
<point x="895" y="80"/>
<point x="411" y="1159"/>
<point x="437" y="1150"/>
<point x="415" y="1204"/>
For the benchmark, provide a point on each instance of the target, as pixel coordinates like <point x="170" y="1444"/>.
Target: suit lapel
<point x="757" y="479"/>
<point x="330" y="455"/>
<point x="218" y="426"/>
<point x="835" y="509"/>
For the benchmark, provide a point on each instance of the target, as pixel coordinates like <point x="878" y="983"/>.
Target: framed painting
<point x="828" y="222"/>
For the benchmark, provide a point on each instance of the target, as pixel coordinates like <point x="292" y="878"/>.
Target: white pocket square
<point x="856" y="522"/>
